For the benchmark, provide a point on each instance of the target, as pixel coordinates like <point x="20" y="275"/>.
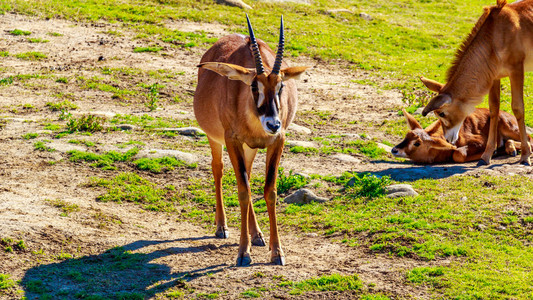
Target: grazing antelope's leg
<point x="255" y="232"/>
<point x="217" y="166"/>
<point x="273" y="157"/>
<point x="236" y="155"/>
<point x="494" y="106"/>
<point x="517" y="93"/>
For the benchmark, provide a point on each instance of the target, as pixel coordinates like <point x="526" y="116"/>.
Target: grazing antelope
<point x="429" y="145"/>
<point x="500" y="45"/>
<point x="245" y="99"/>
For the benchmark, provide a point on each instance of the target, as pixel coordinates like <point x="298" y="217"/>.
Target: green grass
<point x="31" y="56"/>
<point x="19" y="32"/>
<point x="41" y="146"/>
<point x="64" y="206"/>
<point x="105" y="161"/>
<point x="147" y="49"/>
<point x="86" y="123"/>
<point x="130" y="187"/>
<point x="5" y="282"/>
<point x="65" y="104"/>
<point x="37" y="40"/>
<point x="334" y="282"/>
<point x="30" y="135"/>
<point x="6" y="81"/>
<point x="158" y="165"/>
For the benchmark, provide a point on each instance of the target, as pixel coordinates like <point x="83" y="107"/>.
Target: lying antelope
<point x="429" y="145"/>
<point x="245" y="99"/>
<point x="500" y="45"/>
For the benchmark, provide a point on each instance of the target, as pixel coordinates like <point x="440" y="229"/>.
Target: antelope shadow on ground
<point x="118" y="273"/>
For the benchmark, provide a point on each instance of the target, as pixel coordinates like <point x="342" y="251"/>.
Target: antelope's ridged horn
<point x="281" y="48"/>
<point x="255" y="49"/>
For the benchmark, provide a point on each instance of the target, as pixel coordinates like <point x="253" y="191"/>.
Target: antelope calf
<point x="429" y="145"/>
<point x="500" y="45"/>
<point x="245" y="99"/>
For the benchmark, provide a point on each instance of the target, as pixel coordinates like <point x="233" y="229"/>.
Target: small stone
<point x="126" y="127"/>
<point x="354" y="136"/>
<point x="366" y="17"/>
<point x="339" y="10"/>
<point x="464" y="199"/>
<point x="385" y="147"/>
<point x="299" y="129"/>
<point x="301" y="144"/>
<point x="400" y="190"/>
<point x="311" y="234"/>
<point x="346" y="158"/>
<point x="236" y="3"/>
<point x="419" y="111"/>
<point x="158" y="153"/>
<point x="501" y="227"/>
<point x="481" y="227"/>
<point x="303" y="196"/>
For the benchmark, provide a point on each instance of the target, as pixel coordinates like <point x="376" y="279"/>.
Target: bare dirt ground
<point x="174" y="249"/>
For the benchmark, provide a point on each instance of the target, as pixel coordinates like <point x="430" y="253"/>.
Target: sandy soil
<point x="173" y="248"/>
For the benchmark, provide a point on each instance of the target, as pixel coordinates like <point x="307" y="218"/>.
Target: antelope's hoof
<point x="258" y="241"/>
<point x="243" y="261"/>
<point x="514" y="153"/>
<point x="222" y="233"/>
<point x="482" y="162"/>
<point x="525" y="161"/>
<point x="278" y="260"/>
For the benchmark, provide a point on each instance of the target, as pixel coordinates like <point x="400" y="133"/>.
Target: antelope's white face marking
<point x="452" y="134"/>
<point x="261" y="89"/>
<point x="278" y="88"/>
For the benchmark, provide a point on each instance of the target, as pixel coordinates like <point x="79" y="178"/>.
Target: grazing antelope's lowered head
<point x="267" y="85"/>
<point x="450" y="113"/>
<point x="422" y="145"/>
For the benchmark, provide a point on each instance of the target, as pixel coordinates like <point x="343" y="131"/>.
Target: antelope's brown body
<point x="246" y="109"/>
<point x="500" y="45"/>
<point x="429" y="145"/>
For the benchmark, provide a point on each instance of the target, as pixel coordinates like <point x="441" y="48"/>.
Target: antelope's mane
<point x="469" y="40"/>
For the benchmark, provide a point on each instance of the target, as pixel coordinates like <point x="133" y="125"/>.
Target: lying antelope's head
<point x="451" y="111"/>
<point x="267" y="88"/>
<point x="419" y="145"/>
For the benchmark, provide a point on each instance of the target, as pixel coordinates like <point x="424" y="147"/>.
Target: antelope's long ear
<point x="441" y="144"/>
<point x="435" y="129"/>
<point x="436" y="103"/>
<point x="233" y="72"/>
<point x="411" y="121"/>
<point x="292" y="72"/>
<point x="432" y="84"/>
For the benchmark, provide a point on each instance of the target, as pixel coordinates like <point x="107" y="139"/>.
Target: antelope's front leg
<point x="517" y="93"/>
<point x="494" y="106"/>
<point x="272" y="164"/>
<point x="236" y="154"/>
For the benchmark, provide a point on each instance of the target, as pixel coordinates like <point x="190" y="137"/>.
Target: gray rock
<point x="365" y="16"/>
<point x="299" y="129"/>
<point x="303" y="196"/>
<point x="188" y="131"/>
<point x="385" y="147"/>
<point x="64" y="147"/>
<point x="419" y="111"/>
<point x="400" y="190"/>
<point x="126" y="127"/>
<point x="304" y="175"/>
<point x="481" y="227"/>
<point x="354" y="136"/>
<point x="338" y="10"/>
<point x="236" y="3"/>
<point x="301" y="144"/>
<point x="345" y="158"/>
<point x="158" y="153"/>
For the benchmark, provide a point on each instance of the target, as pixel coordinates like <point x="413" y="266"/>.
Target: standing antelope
<point x="247" y="108"/>
<point x="429" y="145"/>
<point x="500" y="45"/>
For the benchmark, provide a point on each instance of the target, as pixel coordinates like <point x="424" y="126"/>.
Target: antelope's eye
<point x="417" y="144"/>
<point x="441" y="114"/>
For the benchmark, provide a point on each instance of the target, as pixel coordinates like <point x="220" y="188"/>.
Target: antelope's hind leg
<point x="255" y="231"/>
<point x="217" y="166"/>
